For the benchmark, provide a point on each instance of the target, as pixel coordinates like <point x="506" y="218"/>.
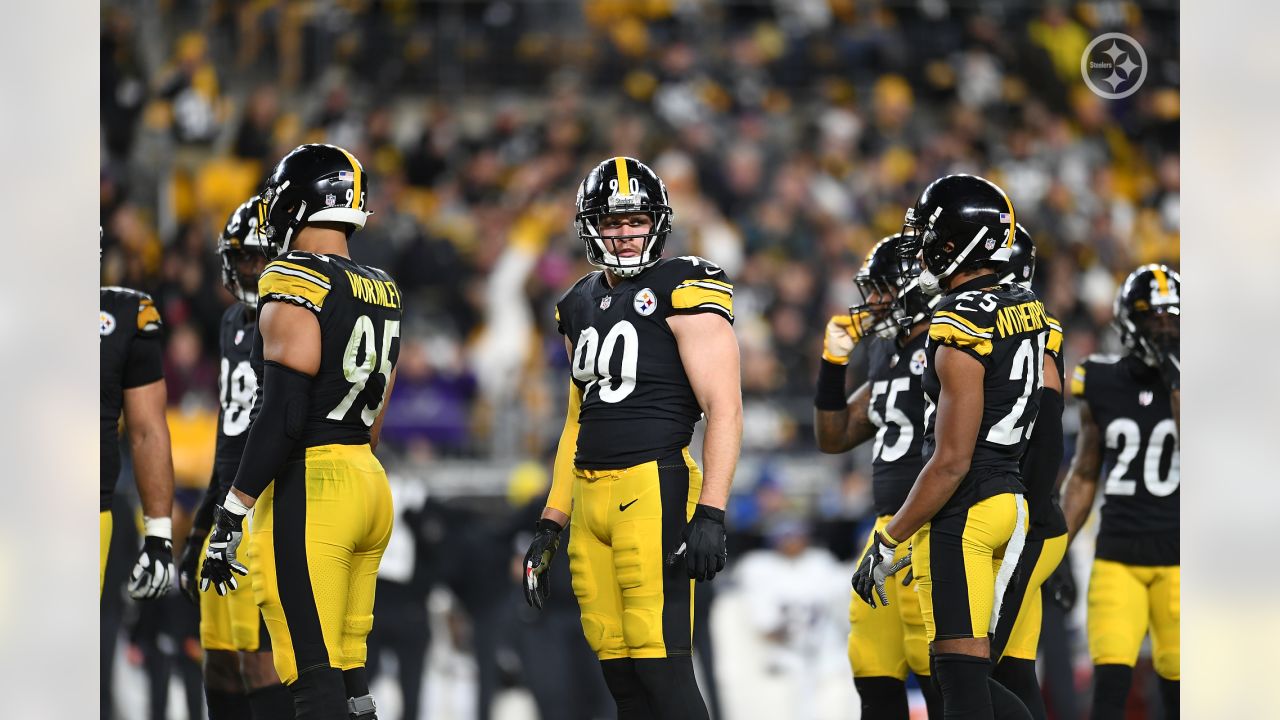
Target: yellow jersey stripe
<point x="683" y="298"/>
<point x="717" y="287"/>
<point x="973" y="328"/>
<point x="1054" y="345"/>
<point x="624" y="179"/>
<point x="355" y="184"/>
<point x="949" y="334"/>
<point x="283" y="284"/>
<point x="319" y="277"/>
<point x="727" y="286"/>
<point x="1077" y="382"/>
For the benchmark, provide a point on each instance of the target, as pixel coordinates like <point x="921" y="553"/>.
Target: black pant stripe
<point x="673" y="483"/>
<point x="293" y="576"/>
<point x="1014" y="595"/>
<point x="948" y="575"/>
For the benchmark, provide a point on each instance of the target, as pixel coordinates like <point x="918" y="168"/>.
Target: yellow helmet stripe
<point x="262" y="215"/>
<point x="1013" y="222"/>
<point x="355" y="184"/>
<point x="1162" y="281"/>
<point x="624" y="180"/>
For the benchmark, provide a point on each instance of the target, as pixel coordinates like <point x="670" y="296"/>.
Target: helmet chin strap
<point x="932" y="284"/>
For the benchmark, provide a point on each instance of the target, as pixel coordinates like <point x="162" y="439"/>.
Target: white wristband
<point x="158" y="527"/>
<point x="234" y="506"/>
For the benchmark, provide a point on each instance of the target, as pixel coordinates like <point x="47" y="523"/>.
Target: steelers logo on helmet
<point x="106" y="323"/>
<point x="298" y="190"/>
<point x="959" y="223"/>
<point x="239" y="246"/>
<point x="618" y="186"/>
<point x="1147" y="309"/>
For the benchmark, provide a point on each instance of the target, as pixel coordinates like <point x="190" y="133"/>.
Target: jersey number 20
<point x="363" y="336"/>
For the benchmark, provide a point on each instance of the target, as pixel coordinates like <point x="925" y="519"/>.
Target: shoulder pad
<point x="1077" y="380"/>
<point x="962" y="325"/>
<point x="1054" y="345"/>
<point x="148" y="316"/>
<point x="695" y="285"/>
<point x="298" y="278"/>
<point x="565" y="303"/>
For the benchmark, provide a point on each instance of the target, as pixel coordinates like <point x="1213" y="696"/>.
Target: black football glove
<point x="875" y="569"/>
<point x="537" y="561"/>
<point x="189" y="565"/>
<point x="1061" y="587"/>
<point x="152" y="574"/>
<point x="910" y="577"/>
<point x="703" y="544"/>
<point x="220" y="564"/>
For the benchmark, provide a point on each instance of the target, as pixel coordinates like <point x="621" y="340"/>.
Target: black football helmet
<point x="892" y="298"/>
<point x="239" y="238"/>
<point x="1148" y="308"/>
<point x="622" y="185"/>
<point x="959" y="222"/>
<point x="313" y="183"/>
<point x="1021" y="265"/>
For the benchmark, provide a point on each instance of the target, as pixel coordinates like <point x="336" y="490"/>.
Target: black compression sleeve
<point x="1043" y="455"/>
<point x="203" y="519"/>
<point x="286" y="395"/>
<point x="830" y="394"/>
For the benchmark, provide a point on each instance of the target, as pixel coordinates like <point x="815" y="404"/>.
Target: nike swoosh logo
<point x="623" y="507"/>
<point x="712" y="271"/>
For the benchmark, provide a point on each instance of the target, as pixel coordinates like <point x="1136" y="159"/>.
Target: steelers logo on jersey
<point x="645" y="302"/>
<point x="918" y="361"/>
<point x="106" y="323"/>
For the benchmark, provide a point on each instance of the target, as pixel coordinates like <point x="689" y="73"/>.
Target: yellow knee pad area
<point x="604" y="636"/>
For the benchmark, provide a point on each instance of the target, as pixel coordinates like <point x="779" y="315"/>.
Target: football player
<point x="652" y="349"/>
<point x="983" y="374"/>
<point x="1129" y="428"/>
<point x="889" y="407"/>
<point x="328" y="339"/>
<point x="132" y="380"/>
<point x="239" y="676"/>
<point x="1017" y="635"/>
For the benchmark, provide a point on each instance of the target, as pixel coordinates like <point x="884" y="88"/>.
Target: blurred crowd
<point x="792" y="135"/>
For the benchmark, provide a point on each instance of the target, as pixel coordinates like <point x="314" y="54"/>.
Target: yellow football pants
<point x="1127" y="600"/>
<point x="104" y="546"/>
<point x="887" y="641"/>
<point x="231" y="621"/>
<point x="319" y="531"/>
<point x="959" y="583"/>
<point x="1038" y="561"/>
<point x="624" y="525"/>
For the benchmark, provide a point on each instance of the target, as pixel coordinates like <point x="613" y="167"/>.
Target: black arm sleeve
<point x="146" y="362"/>
<point x="1043" y="457"/>
<point x="286" y="395"/>
<point x="203" y="519"/>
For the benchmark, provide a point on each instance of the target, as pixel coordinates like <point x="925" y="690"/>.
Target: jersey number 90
<point x="593" y="357"/>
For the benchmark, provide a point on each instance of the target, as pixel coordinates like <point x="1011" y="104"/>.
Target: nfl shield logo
<point x="1146" y="397"/>
<point x="239" y="336"/>
<point x="605" y="302"/>
<point x="330" y="200"/>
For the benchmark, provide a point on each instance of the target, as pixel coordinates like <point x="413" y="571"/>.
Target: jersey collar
<point x="979" y="283"/>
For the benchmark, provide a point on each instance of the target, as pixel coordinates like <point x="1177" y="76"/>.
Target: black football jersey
<point x="897" y="410"/>
<point x="1140" y="466"/>
<point x="359" y="310"/>
<point x="237" y="386"/>
<point x="131" y="355"/>
<point x="1040" y="478"/>
<point x="1005" y="328"/>
<point x="637" y="404"/>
